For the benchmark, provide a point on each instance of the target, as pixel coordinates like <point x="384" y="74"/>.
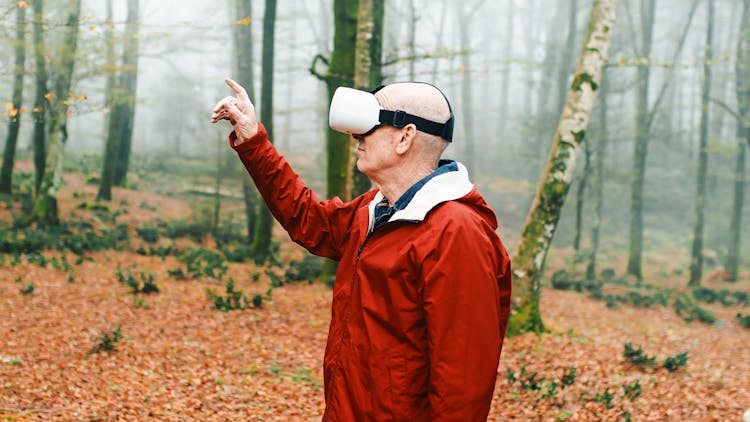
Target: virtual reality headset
<point x="358" y="113"/>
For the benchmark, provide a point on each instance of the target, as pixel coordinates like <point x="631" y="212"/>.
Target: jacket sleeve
<point x="318" y="226"/>
<point x="466" y="298"/>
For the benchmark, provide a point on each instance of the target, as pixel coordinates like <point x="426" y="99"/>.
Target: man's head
<point x="386" y="147"/>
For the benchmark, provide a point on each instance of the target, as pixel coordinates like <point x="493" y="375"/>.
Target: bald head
<point x="423" y="100"/>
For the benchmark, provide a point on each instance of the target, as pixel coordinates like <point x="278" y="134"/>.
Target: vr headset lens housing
<point x="358" y="112"/>
<point x="353" y="111"/>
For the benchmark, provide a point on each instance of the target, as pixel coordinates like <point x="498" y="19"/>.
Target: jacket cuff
<point x="251" y="143"/>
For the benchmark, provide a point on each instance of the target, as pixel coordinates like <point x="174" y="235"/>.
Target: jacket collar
<point x="441" y="188"/>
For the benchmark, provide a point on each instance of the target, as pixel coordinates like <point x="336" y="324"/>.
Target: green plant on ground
<point x="27" y="289"/>
<point x="637" y="356"/>
<point x="204" y="262"/>
<point x="744" y="320"/>
<point x="605" y="397"/>
<point x="148" y="233"/>
<point x="673" y="363"/>
<point x="234" y="299"/>
<point x="686" y="307"/>
<point x="569" y="377"/>
<point x="309" y="269"/>
<point x="105" y="342"/>
<point x="632" y="391"/>
<point x="146" y="285"/>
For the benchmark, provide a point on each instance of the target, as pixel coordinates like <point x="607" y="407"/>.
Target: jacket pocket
<point x="408" y="377"/>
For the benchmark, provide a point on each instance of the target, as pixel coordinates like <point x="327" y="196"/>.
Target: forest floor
<point x="180" y="359"/>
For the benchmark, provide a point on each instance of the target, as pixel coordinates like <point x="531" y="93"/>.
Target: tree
<point x="14" y="124"/>
<point x="742" y="87"/>
<point x="40" y="102"/>
<point x="113" y="104"/>
<point x="243" y="69"/>
<point x="45" y="204"/>
<point x="644" y="121"/>
<point x="601" y="148"/>
<point x="262" y="240"/>
<point x="368" y="71"/>
<point x="537" y="232"/>
<point x="465" y="17"/>
<point x="696" y="258"/>
<point x="339" y="72"/>
<point x="127" y="87"/>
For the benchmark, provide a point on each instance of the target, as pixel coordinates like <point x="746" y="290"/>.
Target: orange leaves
<point x="50" y="96"/>
<point x="22" y="4"/>
<point x="12" y="111"/>
<point x="244" y="22"/>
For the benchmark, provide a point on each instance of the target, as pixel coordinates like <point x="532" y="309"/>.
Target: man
<point x="422" y="293"/>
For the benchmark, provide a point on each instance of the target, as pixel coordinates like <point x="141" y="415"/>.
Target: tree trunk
<point x="696" y="259"/>
<point x="567" y="57"/>
<point x="45" y="205"/>
<point x="40" y="102"/>
<point x="541" y="222"/>
<point x="367" y="70"/>
<point x="244" y="72"/>
<point x="506" y="77"/>
<point x="412" y="28"/>
<point x="113" y="105"/>
<point x="129" y="86"/>
<point x="641" y="147"/>
<point x="580" y="194"/>
<point x="262" y="240"/>
<point x="735" y="226"/>
<point x="742" y="72"/>
<point x="340" y="73"/>
<point x="598" y="183"/>
<point x="14" y="123"/>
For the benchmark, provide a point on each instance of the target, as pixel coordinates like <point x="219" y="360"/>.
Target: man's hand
<point x="239" y="111"/>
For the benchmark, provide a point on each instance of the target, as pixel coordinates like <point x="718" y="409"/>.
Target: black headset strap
<point x="400" y="118"/>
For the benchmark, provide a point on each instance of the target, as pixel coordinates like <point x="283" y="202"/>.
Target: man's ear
<point x="408" y="133"/>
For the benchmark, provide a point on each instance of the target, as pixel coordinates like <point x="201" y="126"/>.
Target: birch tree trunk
<point x="129" y="86"/>
<point x="696" y="258"/>
<point x="14" y="123"/>
<point x="40" y="103"/>
<point x="537" y="233"/>
<point x="262" y="241"/>
<point x="45" y="204"/>
<point x="245" y="74"/>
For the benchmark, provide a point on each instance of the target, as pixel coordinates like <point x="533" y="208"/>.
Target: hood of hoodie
<point x="450" y="186"/>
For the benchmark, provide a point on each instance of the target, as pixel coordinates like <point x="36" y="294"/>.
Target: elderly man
<point x="422" y="293"/>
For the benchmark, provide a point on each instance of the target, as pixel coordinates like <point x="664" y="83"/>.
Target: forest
<point x="142" y="277"/>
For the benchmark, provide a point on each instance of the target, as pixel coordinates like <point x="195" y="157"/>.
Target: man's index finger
<point x="237" y="88"/>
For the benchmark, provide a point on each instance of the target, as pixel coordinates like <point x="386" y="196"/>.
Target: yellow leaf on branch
<point x="245" y="22"/>
<point x="22" y="4"/>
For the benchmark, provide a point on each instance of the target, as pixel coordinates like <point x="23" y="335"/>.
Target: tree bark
<point x="245" y="74"/>
<point x="580" y="195"/>
<point x="506" y="77"/>
<point x="340" y="72"/>
<point x="112" y="122"/>
<point x="45" y="205"/>
<point x="367" y="71"/>
<point x="742" y="86"/>
<point x="696" y="258"/>
<point x="537" y="233"/>
<point x="40" y="103"/>
<point x="641" y="146"/>
<point x="14" y="123"/>
<point x="598" y="183"/>
<point x="129" y="86"/>
<point x="262" y="240"/>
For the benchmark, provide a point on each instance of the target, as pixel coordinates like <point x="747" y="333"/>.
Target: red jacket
<point x="419" y="307"/>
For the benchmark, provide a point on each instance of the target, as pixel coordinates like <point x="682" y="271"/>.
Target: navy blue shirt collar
<point x="383" y="212"/>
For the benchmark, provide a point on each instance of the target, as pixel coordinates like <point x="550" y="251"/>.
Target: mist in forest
<point x="506" y="67"/>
